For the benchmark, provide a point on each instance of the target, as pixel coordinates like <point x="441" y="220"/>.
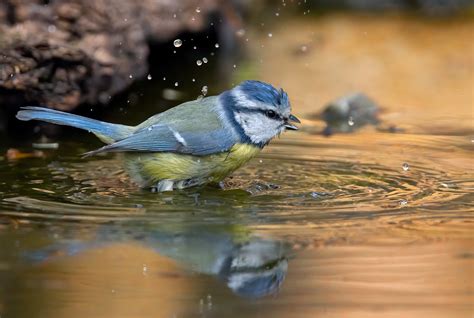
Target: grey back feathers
<point x="191" y="128"/>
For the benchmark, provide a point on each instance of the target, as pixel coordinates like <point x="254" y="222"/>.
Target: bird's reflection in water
<point x="253" y="267"/>
<point x="250" y="266"/>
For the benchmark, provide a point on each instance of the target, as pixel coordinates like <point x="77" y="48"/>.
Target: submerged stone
<point x="349" y="113"/>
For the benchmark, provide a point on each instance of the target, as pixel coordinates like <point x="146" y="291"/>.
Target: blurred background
<point x="366" y="211"/>
<point x="124" y="60"/>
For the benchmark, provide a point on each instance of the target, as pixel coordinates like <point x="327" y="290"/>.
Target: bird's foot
<point x="163" y="185"/>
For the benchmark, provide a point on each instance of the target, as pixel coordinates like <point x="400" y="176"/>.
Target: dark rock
<point x="64" y="53"/>
<point x="350" y="113"/>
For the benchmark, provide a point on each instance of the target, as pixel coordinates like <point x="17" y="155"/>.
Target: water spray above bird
<point x="195" y="143"/>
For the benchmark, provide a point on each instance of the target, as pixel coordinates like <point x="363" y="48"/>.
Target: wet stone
<point x="350" y="113"/>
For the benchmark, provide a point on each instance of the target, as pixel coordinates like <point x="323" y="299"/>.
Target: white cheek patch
<point x="259" y="129"/>
<point x="244" y="123"/>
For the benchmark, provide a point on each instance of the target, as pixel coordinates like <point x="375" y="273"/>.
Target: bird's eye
<point x="271" y="114"/>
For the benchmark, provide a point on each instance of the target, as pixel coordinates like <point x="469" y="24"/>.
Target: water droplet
<point x="198" y="10"/>
<point x="240" y="32"/>
<point x="405" y="166"/>
<point x="204" y="60"/>
<point x="149" y="77"/>
<point x="176" y="84"/>
<point x="270" y="35"/>
<point x="177" y="43"/>
<point x="199" y="62"/>
<point x="216" y="45"/>
<point x="350" y="122"/>
<point x="209" y="302"/>
<point x="403" y="202"/>
<point x="201" y="305"/>
<point x="204" y="90"/>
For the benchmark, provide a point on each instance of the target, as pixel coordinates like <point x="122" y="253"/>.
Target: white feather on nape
<point x="242" y="100"/>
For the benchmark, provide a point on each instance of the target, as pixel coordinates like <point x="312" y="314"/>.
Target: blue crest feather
<point x="264" y="93"/>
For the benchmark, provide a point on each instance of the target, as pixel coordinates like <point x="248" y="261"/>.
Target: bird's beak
<point x="294" y="119"/>
<point x="291" y="127"/>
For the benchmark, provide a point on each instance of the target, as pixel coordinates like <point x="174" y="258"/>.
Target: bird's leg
<point x="183" y="184"/>
<point x="164" y="185"/>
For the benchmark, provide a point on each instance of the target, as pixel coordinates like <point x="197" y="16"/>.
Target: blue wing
<point x="162" y="138"/>
<point x="192" y="128"/>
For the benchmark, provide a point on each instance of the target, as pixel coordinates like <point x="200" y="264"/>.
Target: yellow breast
<point x="149" y="168"/>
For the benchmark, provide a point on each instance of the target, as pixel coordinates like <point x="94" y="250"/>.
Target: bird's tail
<point x="106" y="132"/>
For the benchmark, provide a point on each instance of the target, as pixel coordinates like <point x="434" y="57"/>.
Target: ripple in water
<point x="283" y="187"/>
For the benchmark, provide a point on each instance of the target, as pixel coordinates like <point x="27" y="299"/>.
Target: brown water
<point x="367" y="224"/>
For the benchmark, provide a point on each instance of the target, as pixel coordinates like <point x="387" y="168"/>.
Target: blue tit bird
<point x="195" y="143"/>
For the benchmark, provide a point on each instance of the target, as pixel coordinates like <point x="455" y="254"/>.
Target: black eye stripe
<point x="271" y="114"/>
<point x="260" y="111"/>
<point x="274" y="115"/>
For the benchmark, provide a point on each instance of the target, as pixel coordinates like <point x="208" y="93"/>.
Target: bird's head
<point x="259" y="110"/>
